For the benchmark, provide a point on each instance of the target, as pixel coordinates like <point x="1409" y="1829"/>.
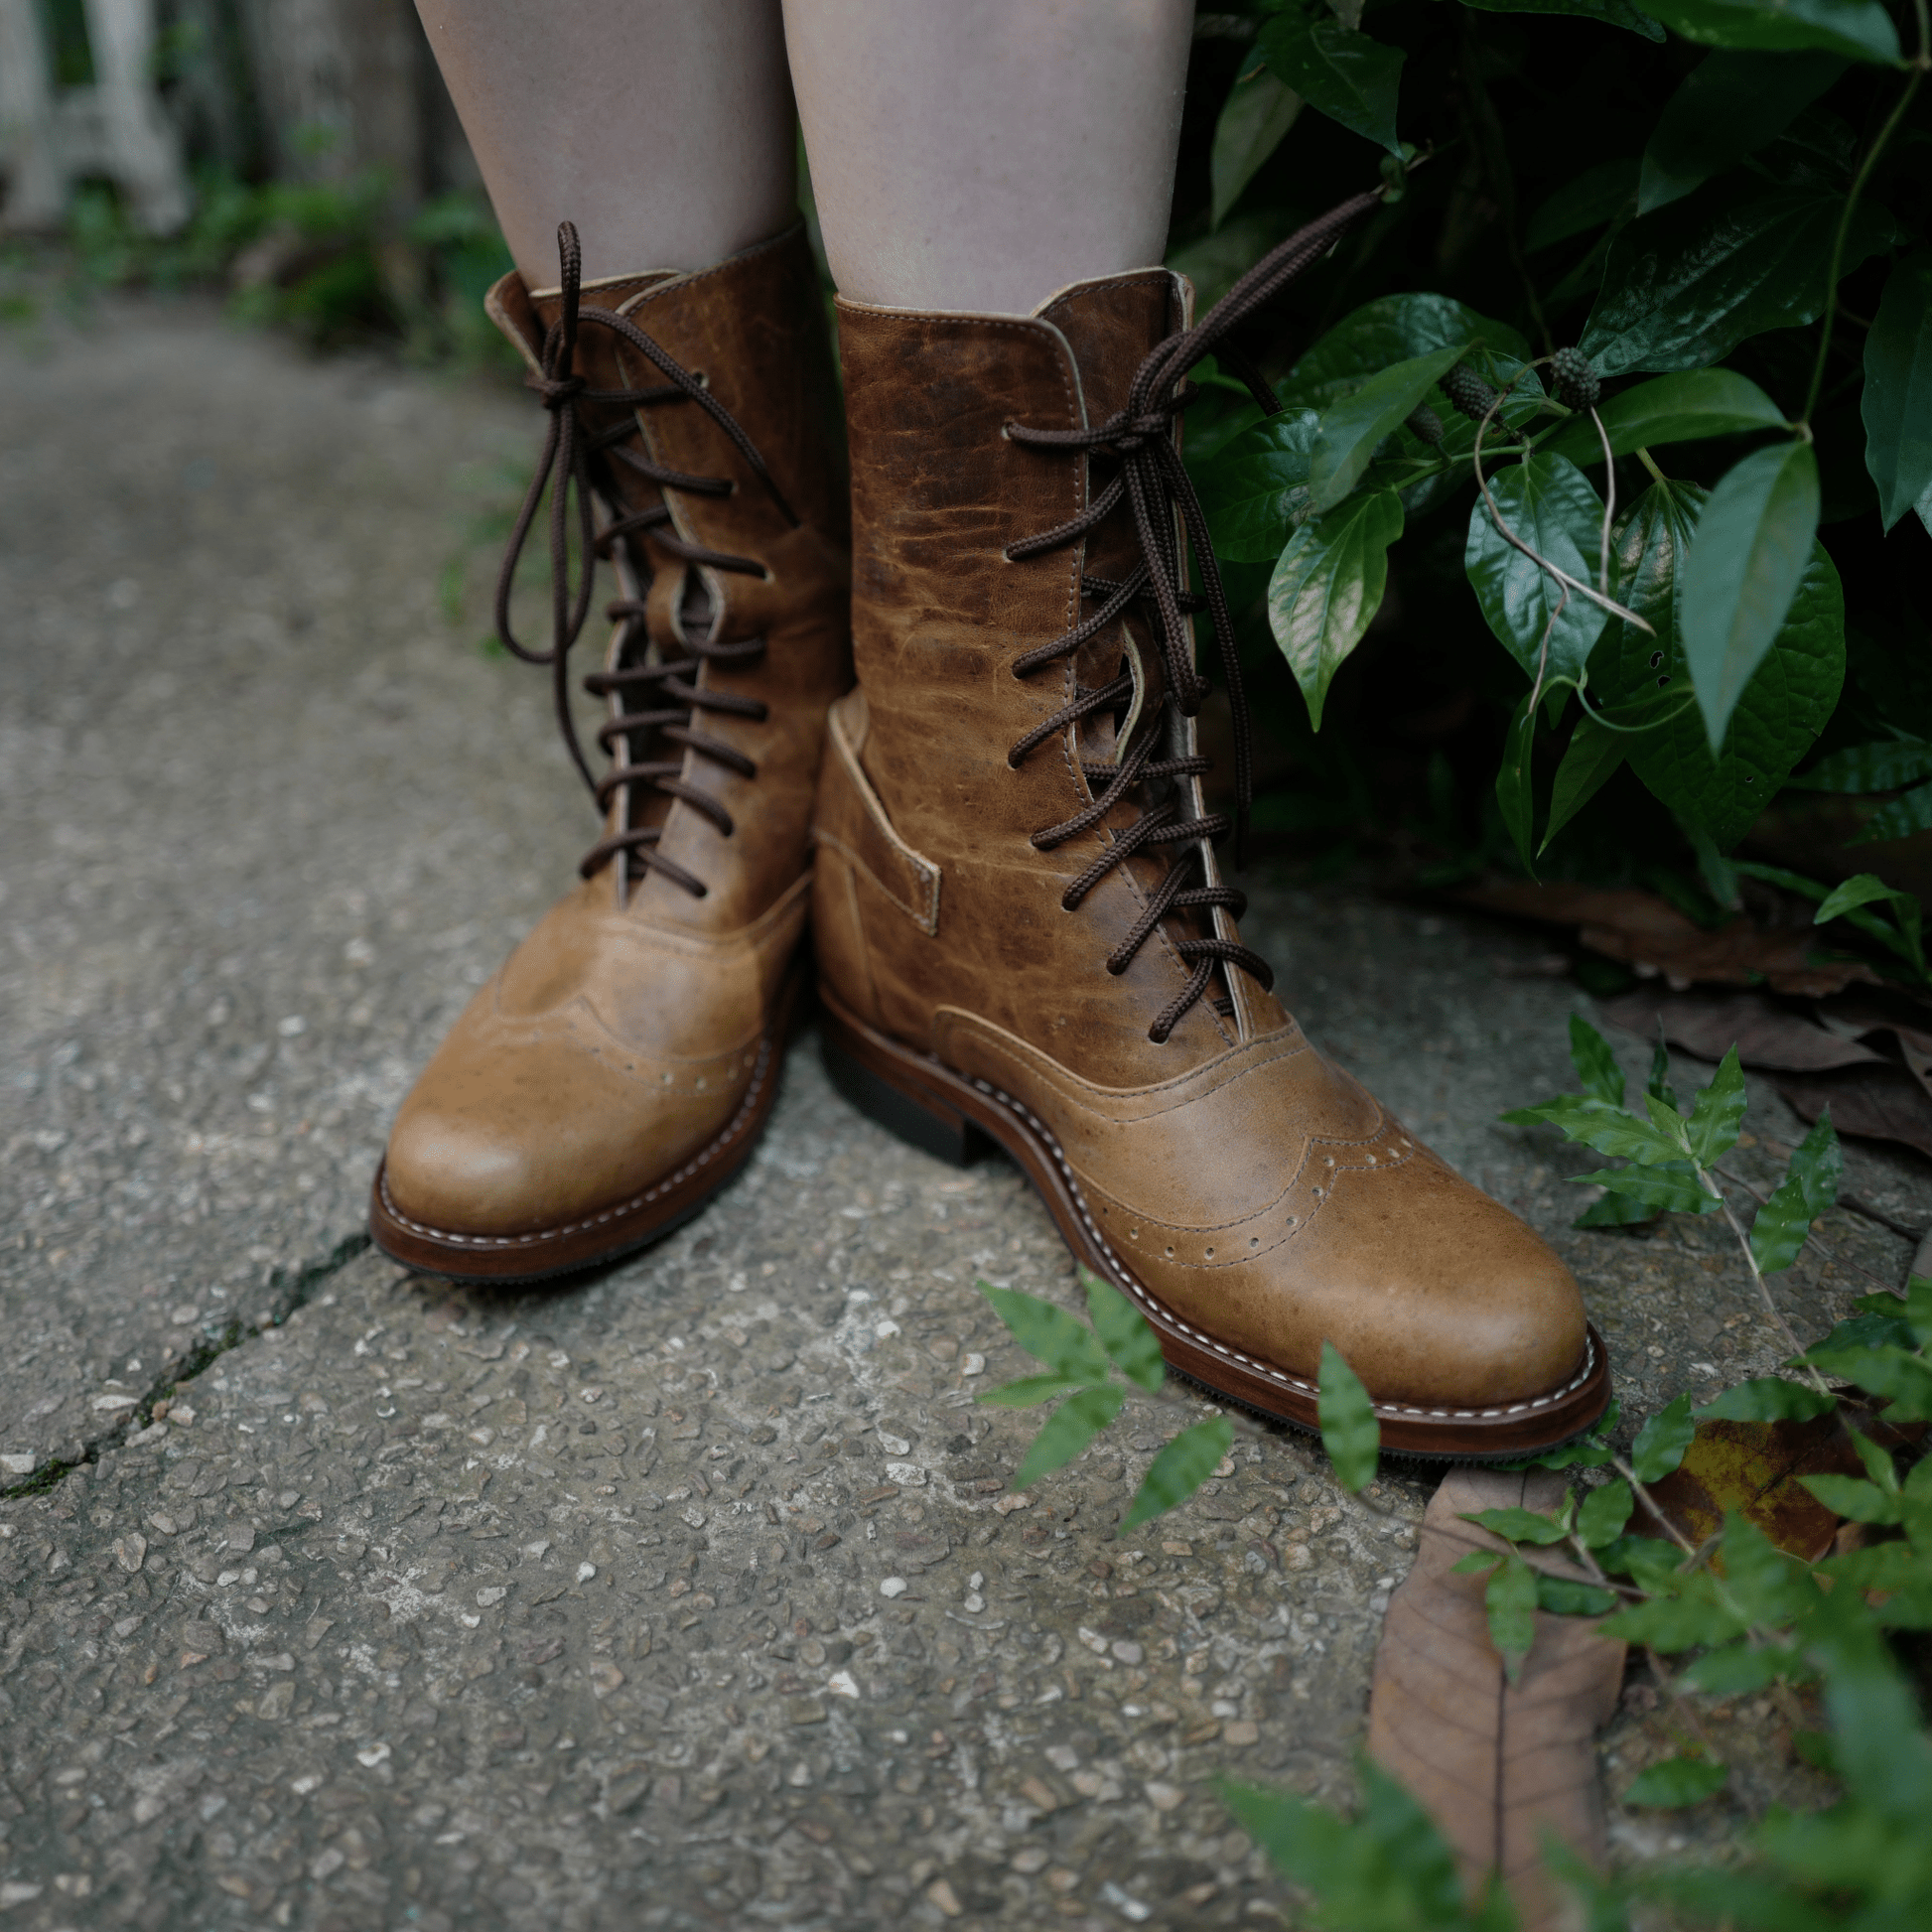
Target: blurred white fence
<point x="112" y="129"/>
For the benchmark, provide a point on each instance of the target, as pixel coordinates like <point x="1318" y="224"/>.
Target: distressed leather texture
<point x="1254" y="1187"/>
<point x="622" y="1038"/>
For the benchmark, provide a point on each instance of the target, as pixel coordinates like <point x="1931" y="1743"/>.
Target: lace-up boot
<point x="1022" y="930"/>
<point x="618" y="1069"/>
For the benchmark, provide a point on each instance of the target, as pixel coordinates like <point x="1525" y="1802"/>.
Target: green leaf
<point x="1894" y="1372"/>
<point x="1517" y="1525"/>
<point x="1636" y="676"/>
<point x="1877" y="1462"/>
<point x="1657" y="1084"/>
<point x="1898" y="821"/>
<point x="1350" y="428"/>
<point x="1729" y="107"/>
<point x="1347" y="75"/>
<point x="1739" y="1668"/>
<point x="1681" y="408"/>
<point x="1329" y="585"/>
<point x="1741" y="575"/>
<point x="1682" y="287"/>
<point x="1478" y="1562"/>
<point x="1674" y="1782"/>
<point x="1595" y="1063"/>
<point x="1397" y="328"/>
<point x="1255" y="491"/>
<point x="1675" y="1188"/>
<point x="1565" y="1597"/>
<point x="1124" y="1333"/>
<point x="1718" y="1113"/>
<point x="1616" y="1210"/>
<point x="1549" y="504"/>
<point x="1350" y="1431"/>
<point x="1049" y="1333"/>
<point x="1028" y="1391"/>
<point x="1069" y="1429"/>
<point x="1868" y="889"/>
<point x="1516" y="781"/>
<point x="1768" y="1398"/>
<point x="1179" y="1470"/>
<point x="1609" y="1129"/>
<point x="1853" y="1498"/>
<point x="1510" y="1598"/>
<point x="1613" y="13"/>
<point x="1596" y="197"/>
<point x="1662" y="1441"/>
<point x="1603" y="1514"/>
<point x="1589" y="1452"/>
<point x="1883" y="766"/>
<point x="1861" y="30"/>
<point x="1676" y="1622"/>
<point x="1594" y="754"/>
<point x="1810" y="1185"/>
<point x="1260" y="109"/>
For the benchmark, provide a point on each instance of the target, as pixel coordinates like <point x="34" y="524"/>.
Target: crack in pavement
<point x="296" y="1287"/>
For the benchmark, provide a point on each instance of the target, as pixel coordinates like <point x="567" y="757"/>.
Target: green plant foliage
<point x="1342" y="74"/>
<point x="1768" y="1399"/>
<point x="1675" y="1782"/>
<point x="1388" y="1870"/>
<point x="1070" y="1428"/>
<point x="1599" y="194"/>
<point x="1809" y="1187"/>
<point x="1355" y="424"/>
<point x="1613" y="13"/>
<point x="1327" y="585"/>
<point x="1179" y="1470"/>
<point x="1682" y="408"/>
<point x="1546" y="627"/>
<point x="1682" y="287"/>
<point x="1350" y="1431"/>
<point x="1260" y="110"/>
<point x="1642" y="679"/>
<point x="1662" y="1441"/>
<point x="1718" y="1113"/>
<point x="1399" y="328"/>
<point x="1257" y="489"/>
<point x="1869" y="768"/>
<point x="1861" y="30"/>
<point x="1133" y="1346"/>
<point x="1595" y="1063"/>
<point x="1049" y="1334"/>
<point x="1603" y="1514"/>
<point x="1510" y="1598"/>
<point x="1897" y="402"/>
<point x="1729" y="107"/>
<point x="1741" y="576"/>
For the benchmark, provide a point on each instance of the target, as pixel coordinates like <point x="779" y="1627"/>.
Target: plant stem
<point x="1641" y="1491"/>
<point x="1811" y="1240"/>
<point x="1919" y="66"/>
<point x="1763" y="1287"/>
<point x="1609" y="502"/>
<point x="1650" y="463"/>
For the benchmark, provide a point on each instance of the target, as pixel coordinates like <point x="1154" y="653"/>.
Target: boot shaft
<point x="943" y="614"/>
<point x="752" y="331"/>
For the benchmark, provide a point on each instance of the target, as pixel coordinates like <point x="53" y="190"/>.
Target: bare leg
<point x="981" y="153"/>
<point x="662" y="128"/>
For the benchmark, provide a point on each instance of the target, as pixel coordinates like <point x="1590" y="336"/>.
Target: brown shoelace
<point x="1156" y="491"/>
<point x="577" y="457"/>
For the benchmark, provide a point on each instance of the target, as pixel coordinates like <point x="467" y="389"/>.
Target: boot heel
<point x="923" y="1120"/>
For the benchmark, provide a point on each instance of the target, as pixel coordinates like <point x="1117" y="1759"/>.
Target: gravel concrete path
<point x="690" y="1595"/>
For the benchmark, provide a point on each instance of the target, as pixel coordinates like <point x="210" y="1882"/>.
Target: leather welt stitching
<point x="1166" y="1315"/>
<point x="733" y="1129"/>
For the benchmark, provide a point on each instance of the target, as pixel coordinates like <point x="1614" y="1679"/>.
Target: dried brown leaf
<point x="1649" y="934"/>
<point x="1884" y="1102"/>
<point x="1496" y="1764"/>
<point x="1709" y="1023"/>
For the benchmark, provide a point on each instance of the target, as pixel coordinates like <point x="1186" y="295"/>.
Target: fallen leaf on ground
<point x="1766" y="1032"/>
<point x="1754" y="1468"/>
<point x="1648" y="932"/>
<point x="1496" y="1764"/>
<point x="1884" y="1102"/>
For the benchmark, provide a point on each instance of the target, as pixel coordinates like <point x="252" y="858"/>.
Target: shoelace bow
<point x="1155" y="487"/>
<point x="575" y="458"/>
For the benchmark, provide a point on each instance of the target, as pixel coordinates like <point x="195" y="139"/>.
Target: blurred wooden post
<point x="51" y="137"/>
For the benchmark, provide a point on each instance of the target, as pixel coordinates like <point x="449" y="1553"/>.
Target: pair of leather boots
<point x="995" y="838"/>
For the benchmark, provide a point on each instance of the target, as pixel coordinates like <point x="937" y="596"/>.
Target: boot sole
<point x="956" y="1118"/>
<point x="658" y="1208"/>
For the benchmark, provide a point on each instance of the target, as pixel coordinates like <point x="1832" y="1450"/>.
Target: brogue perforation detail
<point x="1126" y="1279"/>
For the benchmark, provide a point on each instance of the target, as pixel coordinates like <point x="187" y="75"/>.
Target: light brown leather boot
<point x="619" y="1069"/>
<point x="1019" y="926"/>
